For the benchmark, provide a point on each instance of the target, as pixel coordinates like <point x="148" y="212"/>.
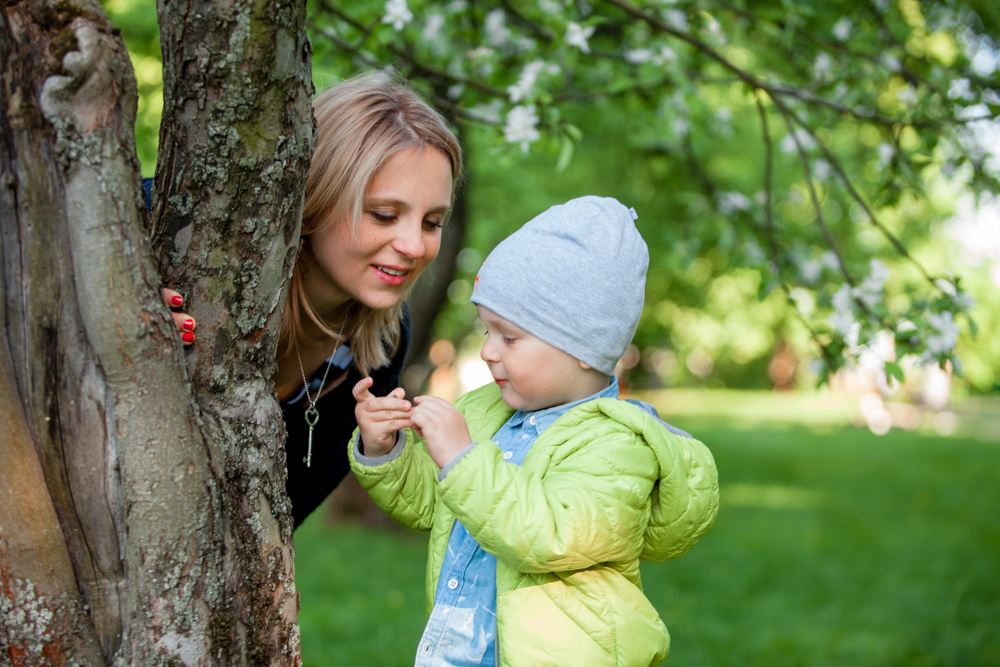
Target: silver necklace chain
<point x="312" y="414"/>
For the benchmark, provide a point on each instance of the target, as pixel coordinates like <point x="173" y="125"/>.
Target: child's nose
<point x="488" y="353"/>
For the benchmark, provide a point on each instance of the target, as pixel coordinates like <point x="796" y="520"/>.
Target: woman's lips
<point x="391" y="276"/>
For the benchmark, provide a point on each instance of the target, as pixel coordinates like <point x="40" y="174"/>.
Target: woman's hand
<point x="185" y="323"/>
<point x="442" y="427"/>
<point x="380" y="418"/>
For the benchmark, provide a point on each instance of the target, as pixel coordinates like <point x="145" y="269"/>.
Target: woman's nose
<point x="409" y="239"/>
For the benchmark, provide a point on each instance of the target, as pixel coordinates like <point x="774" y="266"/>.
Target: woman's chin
<point x="382" y="299"/>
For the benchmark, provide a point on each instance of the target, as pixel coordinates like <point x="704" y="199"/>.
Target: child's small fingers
<point x="386" y="403"/>
<point x="396" y="424"/>
<point x="390" y="415"/>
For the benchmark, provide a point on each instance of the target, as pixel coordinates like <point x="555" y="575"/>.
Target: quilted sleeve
<point x="685" y="500"/>
<point x="403" y="486"/>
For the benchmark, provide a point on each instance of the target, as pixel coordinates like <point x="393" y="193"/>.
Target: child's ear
<point x="584" y="365"/>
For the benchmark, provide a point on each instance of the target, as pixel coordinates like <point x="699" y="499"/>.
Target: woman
<point x="380" y="186"/>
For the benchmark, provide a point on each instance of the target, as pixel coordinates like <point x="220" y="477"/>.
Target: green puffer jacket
<point x="602" y="487"/>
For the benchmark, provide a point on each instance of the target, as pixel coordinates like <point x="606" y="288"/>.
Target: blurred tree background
<point x="816" y="181"/>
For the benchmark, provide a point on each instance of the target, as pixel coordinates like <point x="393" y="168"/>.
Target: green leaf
<point x="565" y="153"/>
<point x="894" y="371"/>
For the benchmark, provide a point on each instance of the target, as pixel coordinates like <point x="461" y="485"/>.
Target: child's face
<point x="532" y="374"/>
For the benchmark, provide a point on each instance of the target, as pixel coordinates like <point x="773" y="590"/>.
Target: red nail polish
<point x="176" y="300"/>
<point x="187" y="337"/>
<point x="188" y="325"/>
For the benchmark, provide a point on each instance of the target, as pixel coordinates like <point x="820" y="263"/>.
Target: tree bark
<point x="142" y="511"/>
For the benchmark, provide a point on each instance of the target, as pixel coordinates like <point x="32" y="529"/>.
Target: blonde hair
<point x="360" y="122"/>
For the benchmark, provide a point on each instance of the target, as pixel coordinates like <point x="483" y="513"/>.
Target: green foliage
<point x="773" y="149"/>
<point x="137" y="22"/>
<point x="779" y="143"/>
<point x="832" y="547"/>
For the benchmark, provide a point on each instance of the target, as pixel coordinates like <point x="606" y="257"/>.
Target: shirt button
<point x="453" y="584"/>
<point x="507" y="455"/>
<point x="531" y="420"/>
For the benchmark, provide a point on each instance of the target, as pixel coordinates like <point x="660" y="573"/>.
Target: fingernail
<point x="176" y="300"/>
<point x="187" y="337"/>
<point x="188" y="325"/>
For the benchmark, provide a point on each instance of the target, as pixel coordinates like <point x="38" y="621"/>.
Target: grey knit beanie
<point x="574" y="276"/>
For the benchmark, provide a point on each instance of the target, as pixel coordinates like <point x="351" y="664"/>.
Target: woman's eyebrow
<point x="400" y="203"/>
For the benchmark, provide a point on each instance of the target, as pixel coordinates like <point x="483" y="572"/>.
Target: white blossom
<point x="432" y="28"/>
<point x="522" y="126"/>
<point x="638" y="56"/>
<point x="397" y="13"/>
<point x="495" y="28"/>
<point x="522" y="89"/>
<point x="733" y="202"/>
<point x="666" y="55"/>
<point x="945" y="335"/>
<point x="842" y="318"/>
<point x="960" y="88"/>
<point x="712" y="27"/>
<point x="681" y="127"/>
<point x="890" y="62"/>
<point x="755" y="255"/>
<point x="788" y="144"/>
<point x="984" y="58"/>
<point x="869" y="291"/>
<point x="821" y="169"/>
<point x="842" y="29"/>
<point x="946" y="286"/>
<point x="724" y="118"/>
<point x="885" y="153"/>
<point x="551" y="7"/>
<point x="822" y="65"/>
<point x="879" y="350"/>
<point x="488" y="113"/>
<point x="577" y="35"/>
<point x="810" y="270"/>
<point x="676" y="18"/>
<point x="907" y="95"/>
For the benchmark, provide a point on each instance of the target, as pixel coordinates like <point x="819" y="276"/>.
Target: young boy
<point x="537" y="563"/>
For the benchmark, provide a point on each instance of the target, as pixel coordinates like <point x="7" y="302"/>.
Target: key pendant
<point x="312" y="416"/>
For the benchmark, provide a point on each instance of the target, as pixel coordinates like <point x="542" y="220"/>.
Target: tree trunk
<point x="142" y="510"/>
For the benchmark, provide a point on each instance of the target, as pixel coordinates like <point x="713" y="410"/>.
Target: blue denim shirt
<point x="461" y="630"/>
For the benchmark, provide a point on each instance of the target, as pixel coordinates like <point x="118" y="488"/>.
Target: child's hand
<point x="442" y="426"/>
<point x="380" y="418"/>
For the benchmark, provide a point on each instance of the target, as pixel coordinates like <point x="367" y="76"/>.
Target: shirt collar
<point x="542" y="419"/>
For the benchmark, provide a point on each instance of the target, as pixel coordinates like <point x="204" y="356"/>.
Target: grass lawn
<point x="833" y="546"/>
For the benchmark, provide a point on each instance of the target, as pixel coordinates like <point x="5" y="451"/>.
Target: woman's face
<point x="376" y="261"/>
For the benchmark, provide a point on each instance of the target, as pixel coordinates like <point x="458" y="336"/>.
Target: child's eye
<point x="508" y="340"/>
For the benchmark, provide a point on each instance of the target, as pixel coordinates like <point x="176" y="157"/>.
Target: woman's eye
<point x="382" y="216"/>
<point x="433" y="224"/>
